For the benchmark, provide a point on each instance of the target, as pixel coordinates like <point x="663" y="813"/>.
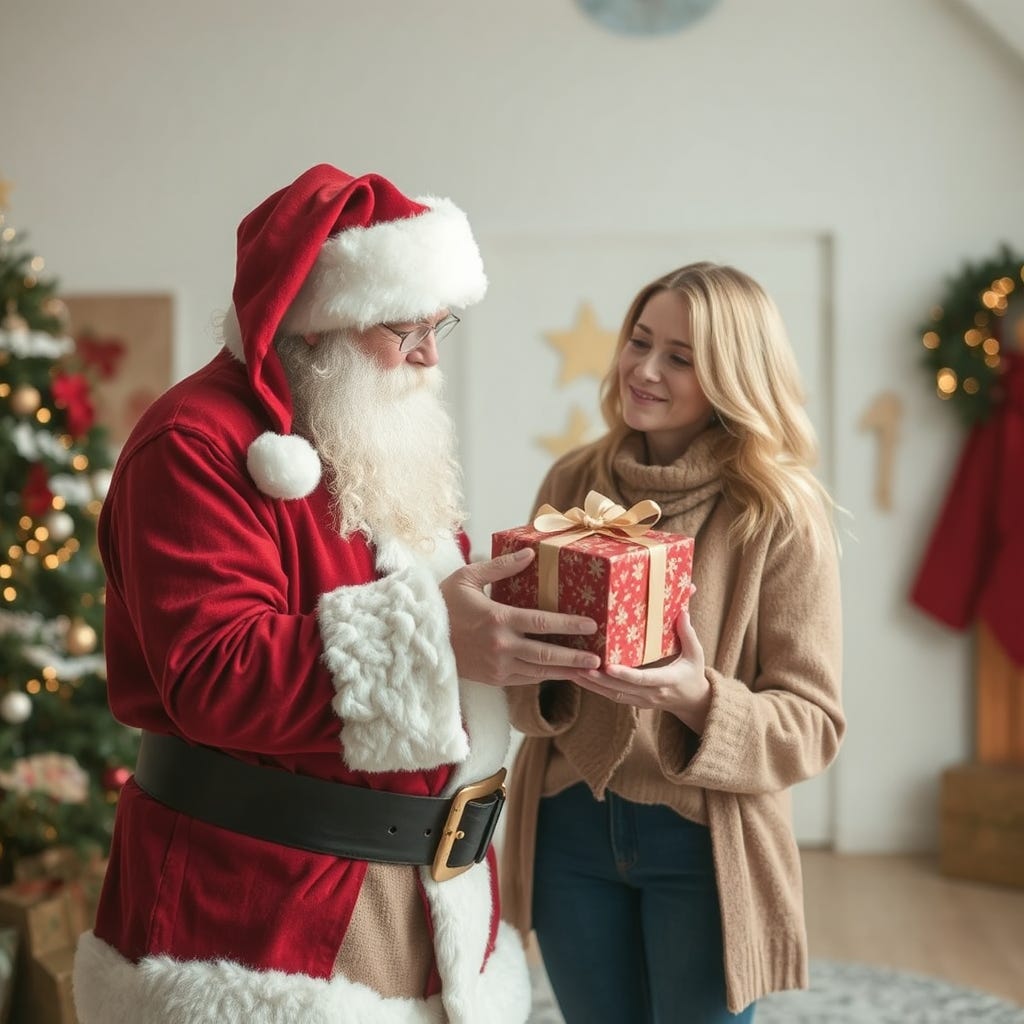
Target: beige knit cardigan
<point x="768" y="618"/>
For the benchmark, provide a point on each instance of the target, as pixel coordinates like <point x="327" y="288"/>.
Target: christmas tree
<point x="63" y="757"/>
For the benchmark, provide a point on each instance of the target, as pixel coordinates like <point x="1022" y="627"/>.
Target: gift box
<point x="42" y="913"/>
<point x="50" y="997"/>
<point x="10" y="939"/>
<point x="603" y="561"/>
<point x="82" y="878"/>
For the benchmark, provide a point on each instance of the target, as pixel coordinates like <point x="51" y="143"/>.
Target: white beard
<point x="384" y="436"/>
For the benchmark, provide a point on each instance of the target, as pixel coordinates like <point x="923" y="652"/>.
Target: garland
<point x="969" y="329"/>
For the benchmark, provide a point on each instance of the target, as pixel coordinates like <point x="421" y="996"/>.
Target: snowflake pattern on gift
<point x="605" y="578"/>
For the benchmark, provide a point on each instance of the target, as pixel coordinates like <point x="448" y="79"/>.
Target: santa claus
<point x="316" y="671"/>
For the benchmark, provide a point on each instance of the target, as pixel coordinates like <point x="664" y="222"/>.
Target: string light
<point x="43" y="415"/>
<point x="969" y="325"/>
<point x="945" y="382"/>
<point x="80" y="462"/>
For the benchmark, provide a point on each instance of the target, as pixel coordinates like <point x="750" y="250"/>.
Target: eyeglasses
<point x="409" y="340"/>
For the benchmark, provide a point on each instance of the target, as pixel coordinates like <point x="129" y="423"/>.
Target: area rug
<point x="843" y="993"/>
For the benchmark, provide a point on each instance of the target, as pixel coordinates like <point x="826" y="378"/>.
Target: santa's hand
<point x="490" y="639"/>
<point x="678" y="687"/>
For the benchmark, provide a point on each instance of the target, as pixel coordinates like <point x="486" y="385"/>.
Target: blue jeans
<point x="625" y="906"/>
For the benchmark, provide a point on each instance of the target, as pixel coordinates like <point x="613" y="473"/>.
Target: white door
<point x="524" y="367"/>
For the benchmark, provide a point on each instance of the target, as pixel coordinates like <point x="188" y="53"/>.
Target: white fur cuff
<point x="387" y="647"/>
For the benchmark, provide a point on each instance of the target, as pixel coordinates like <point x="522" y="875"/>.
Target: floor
<point x="900" y="912"/>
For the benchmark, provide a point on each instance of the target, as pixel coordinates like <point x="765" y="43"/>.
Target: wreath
<point x="969" y="329"/>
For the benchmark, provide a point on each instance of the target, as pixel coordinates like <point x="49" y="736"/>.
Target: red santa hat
<point x="331" y="251"/>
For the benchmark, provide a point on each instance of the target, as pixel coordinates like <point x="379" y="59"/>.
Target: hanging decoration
<point x="979" y="316"/>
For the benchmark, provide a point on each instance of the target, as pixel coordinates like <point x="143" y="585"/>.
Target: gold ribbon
<point x="601" y="515"/>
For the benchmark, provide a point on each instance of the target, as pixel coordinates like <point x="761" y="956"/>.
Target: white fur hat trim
<point x="283" y="465"/>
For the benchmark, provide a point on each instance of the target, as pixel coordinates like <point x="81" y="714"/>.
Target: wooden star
<point x="586" y="348"/>
<point x="6" y="187"/>
<point x="574" y="436"/>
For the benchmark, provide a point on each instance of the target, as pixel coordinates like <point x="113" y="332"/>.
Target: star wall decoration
<point x="586" y="347"/>
<point x="575" y="434"/>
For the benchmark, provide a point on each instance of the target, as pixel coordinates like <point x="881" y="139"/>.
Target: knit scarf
<point x="686" y="489"/>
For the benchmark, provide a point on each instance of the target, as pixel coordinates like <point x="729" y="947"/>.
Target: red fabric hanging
<point x="973" y="567"/>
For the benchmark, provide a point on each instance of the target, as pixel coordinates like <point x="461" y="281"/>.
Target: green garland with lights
<point x="964" y="338"/>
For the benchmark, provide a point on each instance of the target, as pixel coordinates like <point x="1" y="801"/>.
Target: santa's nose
<point x="424" y="354"/>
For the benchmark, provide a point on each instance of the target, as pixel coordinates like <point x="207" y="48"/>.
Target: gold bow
<point x="599" y="515"/>
<point x="603" y="516"/>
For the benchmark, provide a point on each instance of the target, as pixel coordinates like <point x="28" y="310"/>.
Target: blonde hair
<point x="746" y="367"/>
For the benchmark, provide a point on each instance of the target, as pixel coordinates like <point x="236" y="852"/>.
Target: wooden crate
<point x="999" y="699"/>
<point x="981" y="835"/>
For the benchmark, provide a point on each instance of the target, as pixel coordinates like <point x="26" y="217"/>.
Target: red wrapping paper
<point x="606" y="578"/>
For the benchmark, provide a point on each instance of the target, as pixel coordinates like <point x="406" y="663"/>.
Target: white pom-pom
<point x="283" y="465"/>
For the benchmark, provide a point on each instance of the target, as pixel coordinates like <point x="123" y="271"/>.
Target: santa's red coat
<point x="973" y="567"/>
<point x="221" y="603"/>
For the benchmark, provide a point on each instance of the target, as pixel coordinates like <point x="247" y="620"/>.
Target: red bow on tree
<point x="102" y="353"/>
<point x="36" y="496"/>
<point x="71" y="393"/>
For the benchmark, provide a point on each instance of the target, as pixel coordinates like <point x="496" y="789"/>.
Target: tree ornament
<point x="60" y="525"/>
<point x="115" y="778"/>
<point x="980" y="316"/>
<point x="101" y="483"/>
<point x="81" y="638"/>
<point x="13" y="320"/>
<point x="15" y="707"/>
<point x="71" y="393"/>
<point x="25" y="400"/>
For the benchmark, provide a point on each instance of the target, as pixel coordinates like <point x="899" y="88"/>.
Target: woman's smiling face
<point x="658" y="385"/>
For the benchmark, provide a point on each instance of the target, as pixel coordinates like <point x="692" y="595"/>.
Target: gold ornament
<point x="25" y="400"/>
<point x="81" y="638"/>
<point x="13" y="320"/>
<point x="586" y="348"/>
<point x="5" y="193"/>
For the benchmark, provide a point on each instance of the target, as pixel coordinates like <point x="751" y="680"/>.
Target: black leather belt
<point x="449" y="833"/>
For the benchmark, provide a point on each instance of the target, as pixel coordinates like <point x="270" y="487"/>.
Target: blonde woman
<point x="649" y="841"/>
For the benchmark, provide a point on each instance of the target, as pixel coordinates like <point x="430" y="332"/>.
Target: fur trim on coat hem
<point x="109" y="989"/>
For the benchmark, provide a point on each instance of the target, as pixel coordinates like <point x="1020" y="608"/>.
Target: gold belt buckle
<point x="439" y="870"/>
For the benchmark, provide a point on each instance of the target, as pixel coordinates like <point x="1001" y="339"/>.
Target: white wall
<point x="139" y="133"/>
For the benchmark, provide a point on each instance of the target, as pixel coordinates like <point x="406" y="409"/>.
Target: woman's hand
<point x="679" y="687"/>
<point x="490" y="639"/>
